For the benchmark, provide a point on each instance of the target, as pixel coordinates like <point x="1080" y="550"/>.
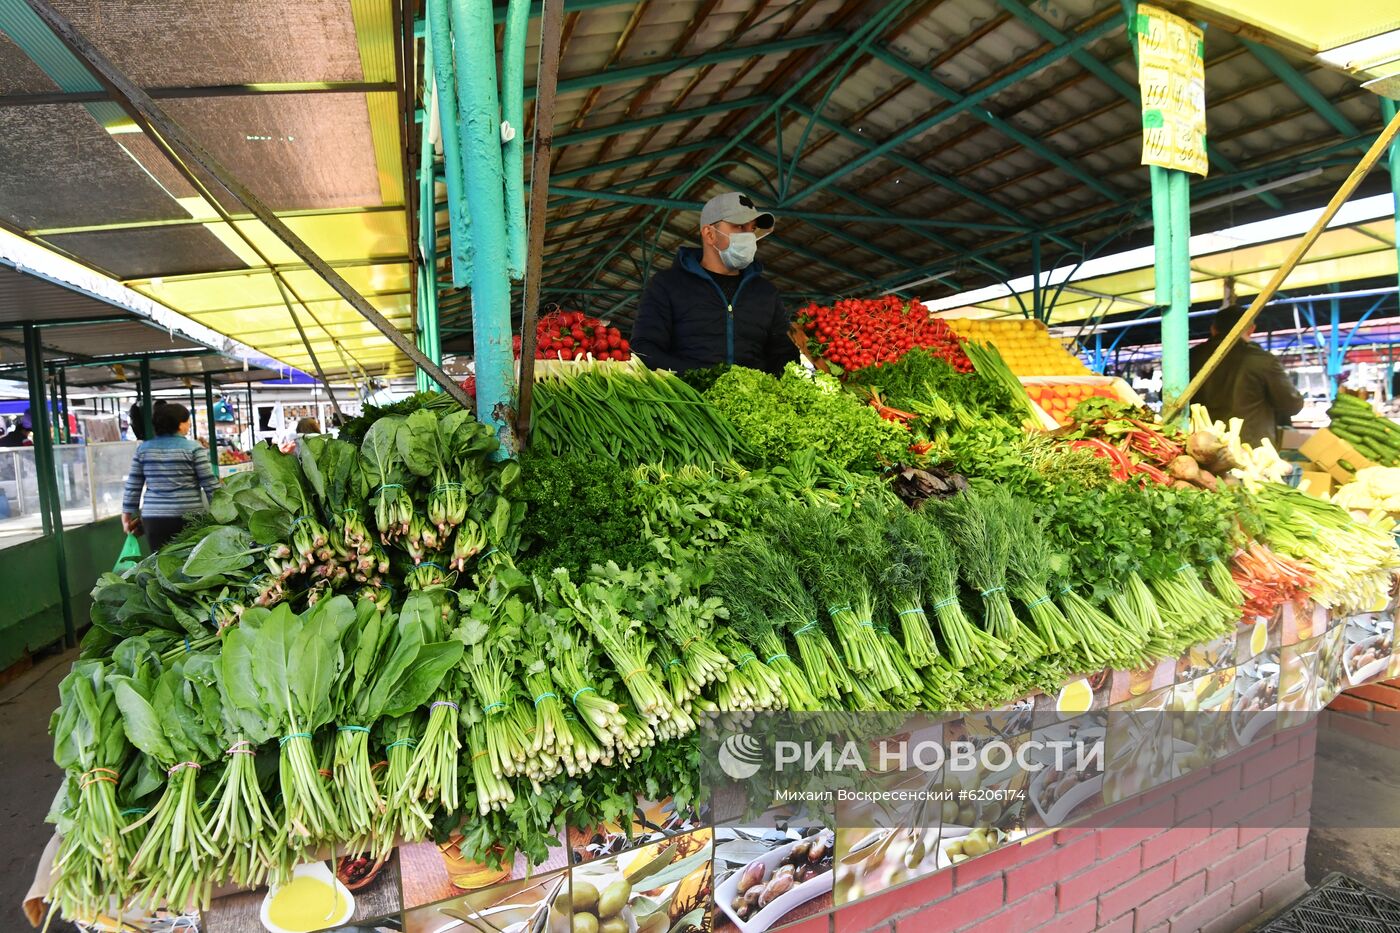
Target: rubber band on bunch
<point x="994" y="590"/>
<point x="295" y="735"/>
<point x="580" y="692"/>
<point x="241" y="748"/>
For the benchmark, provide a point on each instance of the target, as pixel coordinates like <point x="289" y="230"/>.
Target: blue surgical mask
<point x="740" y="251"/>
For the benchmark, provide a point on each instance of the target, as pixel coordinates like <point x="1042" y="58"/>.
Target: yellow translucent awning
<point x="1344" y="254"/>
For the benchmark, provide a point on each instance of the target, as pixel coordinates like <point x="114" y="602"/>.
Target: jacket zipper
<point x="729" y="315"/>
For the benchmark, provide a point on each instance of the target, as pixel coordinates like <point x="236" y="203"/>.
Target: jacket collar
<point x="688" y="258"/>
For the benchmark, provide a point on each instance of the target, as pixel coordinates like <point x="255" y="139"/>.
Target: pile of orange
<point x="1026" y="346"/>
<point x="1059" y="401"/>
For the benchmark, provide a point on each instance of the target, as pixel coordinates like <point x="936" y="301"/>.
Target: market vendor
<point x="1250" y="383"/>
<point x="714" y="305"/>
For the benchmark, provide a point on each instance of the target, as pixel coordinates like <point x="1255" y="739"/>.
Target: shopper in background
<point x="18" y="437"/>
<point x="714" y="305"/>
<point x="175" y="474"/>
<point x="308" y="426"/>
<point x="1250" y="383"/>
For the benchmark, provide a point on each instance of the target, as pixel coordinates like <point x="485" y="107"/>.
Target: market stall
<point x="489" y="675"/>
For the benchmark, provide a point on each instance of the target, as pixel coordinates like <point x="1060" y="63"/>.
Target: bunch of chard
<point x="385" y="474"/>
<point x="163" y="712"/>
<point x="241" y="826"/>
<point x="391" y="670"/>
<point x="91" y="747"/>
<point x="286" y="665"/>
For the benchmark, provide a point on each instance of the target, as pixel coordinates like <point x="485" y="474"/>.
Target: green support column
<point x="144" y="388"/>
<point x="437" y="61"/>
<point x="1388" y="111"/>
<point x="513" y="112"/>
<point x="209" y="412"/>
<point x="1176" y="322"/>
<point x="1037" y="293"/>
<point x="50" y="505"/>
<point x="55" y="418"/>
<point x="474" y="48"/>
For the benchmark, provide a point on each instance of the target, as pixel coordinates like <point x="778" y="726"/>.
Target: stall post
<point x="1334" y="346"/>
<point x="50" y="507"/>
<point x="252" y="417"/>
<point x="473" y="30"/>
<point x="145" y="391"/>
<point x="1176" y="320"/>
<point x="437" y="61"/>
<point x="55" y="429"/>
<point x="194" y="422"/>
<point x="1388" y="109"/>
<point x="209" y="411"/>
<point x="63" y="401"/>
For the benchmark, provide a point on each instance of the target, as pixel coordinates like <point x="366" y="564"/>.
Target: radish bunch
<point x="572" y="335"/>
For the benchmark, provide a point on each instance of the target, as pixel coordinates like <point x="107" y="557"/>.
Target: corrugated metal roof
<point x="1058" y="149"/>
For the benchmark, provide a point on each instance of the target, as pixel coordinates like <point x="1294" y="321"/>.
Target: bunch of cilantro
<point x="578" y="513"/>
<point x="781" y="417"/>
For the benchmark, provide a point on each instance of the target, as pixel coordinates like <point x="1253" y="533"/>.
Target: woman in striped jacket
<point x="174" y="473"/>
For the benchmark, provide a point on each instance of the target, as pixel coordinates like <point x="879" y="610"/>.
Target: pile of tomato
<point x="573" y="335"/>
<point x="858" y="332"/>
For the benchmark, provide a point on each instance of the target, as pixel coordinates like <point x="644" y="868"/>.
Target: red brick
<point x="1170" y="902"/>
<point x="1256" y="879"/>
<point x="1123" y="924"/>
<point x="1205" y="854"/>
<point x="1044" y="872"/>
<point x="1022" y="915"/>
<point x="1366" y="731"/>
<point x="1236" y="918"/>
<point x="1302" y="805"/>
<point x="1209" y="907"/>
<point x="1084" y="919"/>
<point x="878" y="909"/>
<point x="1064" y="837"/>
<point x="1171" y="843"/>
<point x="1350" y="704"/>
<point x="810" y="925"/>
<point x="1297" y="856"/>
<point x="1286" y="838"/>
<point x="1115" y="839"/>
<point x="1200" y="798"/>
<point x="1137" y="891"/>
<point x="1274" y="817"/>
<point x="1283" y="891"/>
<point x="1105" y="876"/>
<point x="1007" y="857"/>
<point x="951" y="912"/>
<point x="1386" y="695"/>
<point x="1297" y="777"/>
<point x="1233" y="866"/>
<point x="1307" y="740"/>
<point x="1265" y="767"/>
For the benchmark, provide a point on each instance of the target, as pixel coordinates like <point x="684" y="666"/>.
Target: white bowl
<point x="779" y="907"/>
<point x="314" y="870"/>
<point x="1365" y="673"/>
<point x="1063" y="807"/>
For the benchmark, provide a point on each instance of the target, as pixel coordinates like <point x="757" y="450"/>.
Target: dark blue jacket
<point x="685" y="322"/>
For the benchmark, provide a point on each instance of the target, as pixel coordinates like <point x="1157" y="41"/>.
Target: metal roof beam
<point x="969" y="105"/>
<point x="1300" y="86"/>
<point x="1109" y="77"/>
<point x="661" y="119"/>
<point x="570" y="6"/>
<point x="642" y="158"/>
<point x="217" y="90"/>
<point x="943" y="181"/>
<point x="672" y="65"/>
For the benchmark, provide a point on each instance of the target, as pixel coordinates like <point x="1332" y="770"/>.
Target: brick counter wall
<point x="1219" y="868"/>
<point x="1369" y="712"/>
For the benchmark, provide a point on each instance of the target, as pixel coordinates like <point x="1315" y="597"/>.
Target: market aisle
<point x="28" y="781"/>
<point x="1360" y="842"/>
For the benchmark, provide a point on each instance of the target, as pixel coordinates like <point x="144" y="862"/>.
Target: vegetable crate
<point x="1334" y="455"/>
<point x="1056" y="396"/>
<point x="229" y="469"/>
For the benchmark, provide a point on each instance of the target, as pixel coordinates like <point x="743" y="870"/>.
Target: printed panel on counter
<point x="532" y="905"/>
<point x="664" y="887"/>
<point x="437" y="871"/>
<point x="651" y="822"/>
<point x="349" y="892"/>
<point x="766" y="877"/>
<point x="1367" y="647"/>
